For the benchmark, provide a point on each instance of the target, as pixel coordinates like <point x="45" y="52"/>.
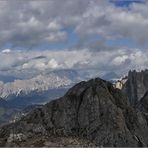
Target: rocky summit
<point x="91" y="113"/>
<point x="136" y="85"/>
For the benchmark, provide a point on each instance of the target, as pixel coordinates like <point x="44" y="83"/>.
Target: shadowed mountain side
<point x="93" y="111"/>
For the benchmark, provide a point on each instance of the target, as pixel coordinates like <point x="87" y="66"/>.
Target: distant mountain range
<point x="51" y="80"/>
<point x="43" y="82"/>
<point x="38" y="83"/>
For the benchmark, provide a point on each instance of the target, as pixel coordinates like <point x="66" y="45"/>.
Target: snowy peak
<point x="38" y="83"/>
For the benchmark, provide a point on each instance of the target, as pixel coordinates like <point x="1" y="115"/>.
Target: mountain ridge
<point x="92" y="110"/>
<point x="40" y="83"/>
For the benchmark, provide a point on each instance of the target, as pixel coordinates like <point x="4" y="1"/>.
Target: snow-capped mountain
<point x="43" y="82"/>
<point x="38" y="83"/>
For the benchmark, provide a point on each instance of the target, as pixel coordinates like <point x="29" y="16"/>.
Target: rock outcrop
<point x="120" y="84"/>
<point x="143" y="103"/>
<point x="93" y="112"/>
<point x="135" y="85"/>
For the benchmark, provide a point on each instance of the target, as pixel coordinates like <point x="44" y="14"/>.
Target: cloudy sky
<point x="44" y="35"/>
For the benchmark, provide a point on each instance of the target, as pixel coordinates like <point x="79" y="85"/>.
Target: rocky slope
<point x="143" y="103"/>
<point x="14" y="104"/>
<point x="6" y="111"/>
<point x="91" y="113"/>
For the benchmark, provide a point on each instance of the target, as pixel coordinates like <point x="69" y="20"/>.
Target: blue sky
<point x="126" y="3"/>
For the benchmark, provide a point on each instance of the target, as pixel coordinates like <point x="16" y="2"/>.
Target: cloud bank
<point x="36" y="62"/>
<point x="93" y="34"/>
<point x="30" y="23"/>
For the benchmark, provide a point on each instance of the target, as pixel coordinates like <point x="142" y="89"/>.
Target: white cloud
<point x="52" y="63"/>
<point x="6" y="50"/>
<point x="34" y="22"/>
<point x="48" y="60"/>
<point x="54" y="26"/>
<point x="34" y="62"/>
<point x="113" y="22"/>
<point x="120" y="59"/>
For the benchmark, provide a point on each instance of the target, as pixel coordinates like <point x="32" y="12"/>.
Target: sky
<point x="44" y="35"/>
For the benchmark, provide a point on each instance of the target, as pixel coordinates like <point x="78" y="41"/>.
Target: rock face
<point x="93" y="112"/>
<point x="135" y="86"/>
<point x="120" y="84"/>
<point x="143" y="103"/>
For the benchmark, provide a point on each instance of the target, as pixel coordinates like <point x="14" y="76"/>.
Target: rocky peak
<point x="135" y="86"/>
<point x="94" y="111"/>
<point x="120" y="83"/>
